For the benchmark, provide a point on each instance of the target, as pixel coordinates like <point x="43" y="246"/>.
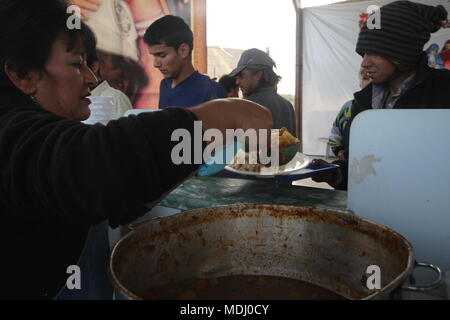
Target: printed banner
<point x="124" y="61"/>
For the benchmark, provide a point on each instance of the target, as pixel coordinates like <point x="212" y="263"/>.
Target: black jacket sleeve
<point x="54" y="168"/>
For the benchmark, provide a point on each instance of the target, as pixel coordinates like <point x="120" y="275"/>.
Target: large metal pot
<point x="328" y="248"/>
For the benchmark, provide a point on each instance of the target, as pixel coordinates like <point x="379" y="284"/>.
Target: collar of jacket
<point x="363" y="98"/>
<point x="264" y="89"/>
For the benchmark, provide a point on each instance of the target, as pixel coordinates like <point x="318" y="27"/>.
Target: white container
<point x="399" y="176"/>
<point x="102" y="110"/>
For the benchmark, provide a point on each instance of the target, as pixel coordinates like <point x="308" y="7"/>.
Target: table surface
<point x="203" y="192"/>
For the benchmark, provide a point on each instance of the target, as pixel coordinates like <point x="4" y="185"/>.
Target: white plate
<point x="300" y="161"/>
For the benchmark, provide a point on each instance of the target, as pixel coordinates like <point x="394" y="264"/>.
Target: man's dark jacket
<point x="283" y="114"/>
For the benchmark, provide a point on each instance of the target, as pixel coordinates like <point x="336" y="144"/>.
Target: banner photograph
<point x="119" y="26"/>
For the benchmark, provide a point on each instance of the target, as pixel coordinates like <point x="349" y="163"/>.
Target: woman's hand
<point x="88" y="7"/>
<point x="225" y="114"/>
<point x="233" y="113"/>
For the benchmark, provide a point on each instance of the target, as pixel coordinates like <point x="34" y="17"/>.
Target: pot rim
<point x="391" y="286"/>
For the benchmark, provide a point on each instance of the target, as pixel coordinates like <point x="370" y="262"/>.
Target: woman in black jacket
<point x="58" y="176"/>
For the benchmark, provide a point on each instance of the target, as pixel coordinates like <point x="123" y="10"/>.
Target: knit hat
<point x="405" y="28"/>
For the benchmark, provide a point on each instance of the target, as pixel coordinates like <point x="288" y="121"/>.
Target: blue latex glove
<point x="219" y="160"/>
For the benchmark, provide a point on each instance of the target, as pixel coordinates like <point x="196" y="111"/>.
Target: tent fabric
<point x="331" y="65"/>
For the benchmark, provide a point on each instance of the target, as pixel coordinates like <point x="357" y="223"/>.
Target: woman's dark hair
<point x="90" y="45"/>
<point x="28" y="29"/>
<point x="171" y="31"/>
<point x="228" y="82"/>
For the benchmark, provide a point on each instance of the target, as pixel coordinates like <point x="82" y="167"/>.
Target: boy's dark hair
<point x="171" y="31"/>
<point x="28" y="29"/>
<point x="228" y="82"/>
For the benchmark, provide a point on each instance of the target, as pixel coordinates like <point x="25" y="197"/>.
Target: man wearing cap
<point x="170" y="42"/>
<point x="257" y="80"/>
<point x="394" y="60"/>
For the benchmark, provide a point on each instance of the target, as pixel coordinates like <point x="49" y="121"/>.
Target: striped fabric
<point x="405" y="28"/>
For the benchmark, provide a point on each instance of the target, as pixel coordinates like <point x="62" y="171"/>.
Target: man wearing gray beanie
<point x="394" y="60"/>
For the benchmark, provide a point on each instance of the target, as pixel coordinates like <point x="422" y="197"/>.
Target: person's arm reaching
<point x="232" y="113"/>
<point x="85" y="174"/>
<point x="249" y="115"/>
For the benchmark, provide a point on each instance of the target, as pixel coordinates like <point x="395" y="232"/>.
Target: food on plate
<point x="286" y="139"/>
<point x="249" y="161"/>
<point x="246" y="161"/>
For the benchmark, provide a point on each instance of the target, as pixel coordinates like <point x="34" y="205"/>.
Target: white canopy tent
<point x="331" y="65"/>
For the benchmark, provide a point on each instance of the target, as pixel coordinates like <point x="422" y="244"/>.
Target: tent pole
<point x="199" y="25"/>
<point x="299" y="72"/>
